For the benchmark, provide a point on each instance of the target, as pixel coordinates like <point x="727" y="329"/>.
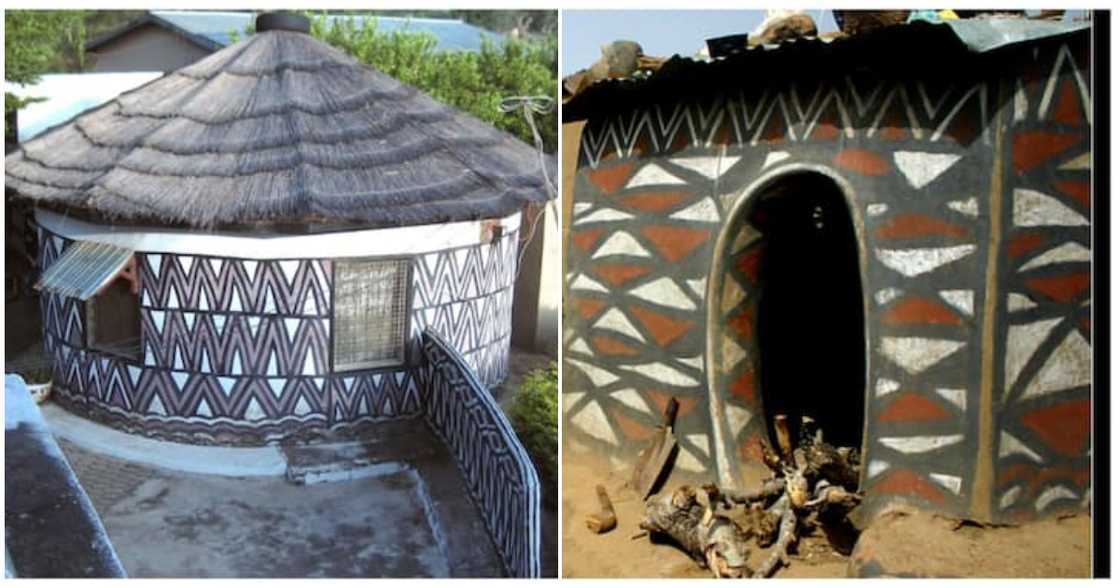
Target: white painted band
<point x="198" y="459"/>
<point x="361" y="243"/>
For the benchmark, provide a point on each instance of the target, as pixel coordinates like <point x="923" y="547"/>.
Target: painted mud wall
<point x="970" y="200"/>
<point x="500" y="477"/>
<point x="238" y="349"/>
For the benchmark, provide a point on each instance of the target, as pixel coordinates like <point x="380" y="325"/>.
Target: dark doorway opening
<point x="810" y="309"/>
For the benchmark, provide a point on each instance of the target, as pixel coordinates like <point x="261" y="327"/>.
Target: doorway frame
<point x="728" y="472"/>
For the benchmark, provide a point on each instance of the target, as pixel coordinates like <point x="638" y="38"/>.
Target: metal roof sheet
<point x="452" y="34"/>
<point x="900" y="48"/>
<point x="84" y="269"/>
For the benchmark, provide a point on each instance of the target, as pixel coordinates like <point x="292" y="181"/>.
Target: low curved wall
<point x="500" y="476"/>
<point x="236" y="348"/>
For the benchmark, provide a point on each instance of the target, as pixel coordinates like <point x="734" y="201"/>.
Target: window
<point x="113" y="320"/>
<point x="370" y="313"/>
<point x="104" y="277"/>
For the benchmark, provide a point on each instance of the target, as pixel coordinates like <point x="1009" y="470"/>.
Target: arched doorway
<point x="786" y="317"/>
<point x="810" y="308"/>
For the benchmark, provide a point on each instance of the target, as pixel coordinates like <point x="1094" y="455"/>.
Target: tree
<point x="472" y="82"/>
<point x="33" y="45"/>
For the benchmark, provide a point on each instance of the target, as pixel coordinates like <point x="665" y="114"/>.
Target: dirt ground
<point x="924" y="544"/>
<point x="905" y="543"/>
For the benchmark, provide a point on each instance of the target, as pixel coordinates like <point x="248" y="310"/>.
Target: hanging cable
<point x="530" y="106"/>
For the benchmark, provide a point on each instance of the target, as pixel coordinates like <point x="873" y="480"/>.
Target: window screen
<point x="370" y="313"/>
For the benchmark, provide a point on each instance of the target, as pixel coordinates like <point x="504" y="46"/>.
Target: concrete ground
<point x="414" y="521"/>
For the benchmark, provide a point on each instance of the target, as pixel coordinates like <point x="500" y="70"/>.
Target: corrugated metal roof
<point x="943" y="46"/>
<point x="84" y="268"/>
<point x="453" y="34"/>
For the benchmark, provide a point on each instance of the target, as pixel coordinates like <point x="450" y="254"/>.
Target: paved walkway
<point x="414" y="521"/>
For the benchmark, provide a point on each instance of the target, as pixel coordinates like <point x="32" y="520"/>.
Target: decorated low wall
<point x="236" y="331"/>
<point x="970" y="201"/>
<point x="499" y="475"/>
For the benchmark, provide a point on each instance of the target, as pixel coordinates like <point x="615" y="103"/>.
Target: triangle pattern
<point x="921" y="168"/>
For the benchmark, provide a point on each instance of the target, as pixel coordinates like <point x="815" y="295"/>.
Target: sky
<point x="659" y="32"/>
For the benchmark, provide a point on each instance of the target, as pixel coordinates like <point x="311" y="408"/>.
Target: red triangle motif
<point x="916" y="226"/>
<point x="915" y="310"/>
<point x="1030" y="148"/>
<point x="674" y="243"/>
<point x="1064" y="427"/>
<point x="610" y="178"/>
<point x="910" y="406"/>
<point x="665" y="329"/>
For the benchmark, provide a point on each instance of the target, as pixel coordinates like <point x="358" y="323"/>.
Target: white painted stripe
<point x="664" y="292"/>
<point x="876" y="467"/>
<point x="603" y="215"/>
<point x="1049" y="495"/>
<point x="710" y="167"/>
<point x="886" y="295"/>
<point x="1022" y="341"/>
<point x="614" y="320"/>
<point x="913" y="262"/>
<point x="1010" y="497"/>
<point x="737" y="419"/>
<point x="1035" y="209"/>
<point x="1016" y="301"/>
<point x="1069" y="366"/>
<point x="877" y="209"/>
<point x="958" y="396"/>
<point x="970" y="207"/>
<point x="580" y="346"/>
<point x="1083" y="162"/>
<point x="921" y="168"/>
<point x="1070" y="252"/>
<point x="920" y="443"/>
<point x="917" y="354"/>
<point x="582" y="282"/>
<point x="651" y="175"/>
<point x="662" y="373"/>
<point x="631" y="398"/>
<point x="198" y="459"/>
<point x="688" y="462"/>
<point x="952" y="483"/>
<point x="592" y="420"/>
<point x="700" y="441"/>
<point x="597" y="375"/>
<point x="960" y="299"/>
<point x="1009" y="445"/>
<point x="703" y="211"/>
<point x="621" y="243"/>
<point x="774" y="157"/>
<point x="884" y="386"/>
<point x="391" y="241"/>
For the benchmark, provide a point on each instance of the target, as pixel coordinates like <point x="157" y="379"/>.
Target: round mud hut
<point x="897" y="250"/>
<point x="250" y="247"/>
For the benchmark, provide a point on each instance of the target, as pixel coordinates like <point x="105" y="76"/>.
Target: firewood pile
<point x="811" y="484"/>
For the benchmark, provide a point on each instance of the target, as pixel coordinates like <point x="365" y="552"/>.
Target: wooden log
<point x="604" y="520"/>
<point x="712" y="540"/>
<point x="779" y="554"/>
<point x="781" y="431"/>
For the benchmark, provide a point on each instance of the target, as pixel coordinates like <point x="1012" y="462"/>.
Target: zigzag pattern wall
<point x="241" y="347"/>
<point x="500" y="477"/>
<point x="658" y="185"/>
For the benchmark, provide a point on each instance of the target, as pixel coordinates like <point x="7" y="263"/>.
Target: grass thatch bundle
<point x="277" y="128"/>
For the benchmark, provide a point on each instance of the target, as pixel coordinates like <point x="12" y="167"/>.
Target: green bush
<point x="533" y="413"/>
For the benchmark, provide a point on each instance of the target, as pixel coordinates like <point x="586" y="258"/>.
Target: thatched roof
<point x="277" y="128"/>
